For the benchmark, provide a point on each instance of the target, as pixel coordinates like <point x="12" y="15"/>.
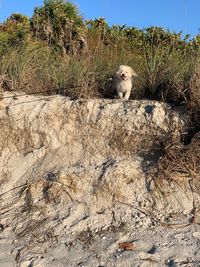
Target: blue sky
<point x="176" y="15"/>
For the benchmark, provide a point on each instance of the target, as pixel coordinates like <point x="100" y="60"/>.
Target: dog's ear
<point x="134" y="74"/>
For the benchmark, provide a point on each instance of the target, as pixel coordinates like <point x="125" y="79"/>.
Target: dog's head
<point x="125" y="73"/>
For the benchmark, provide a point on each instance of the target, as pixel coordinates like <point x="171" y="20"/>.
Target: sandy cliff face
<point x="74" y="184"/>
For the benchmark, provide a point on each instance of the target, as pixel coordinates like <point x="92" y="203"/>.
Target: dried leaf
<point x="126" y="246"/>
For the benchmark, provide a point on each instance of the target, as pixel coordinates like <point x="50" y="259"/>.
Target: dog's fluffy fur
<point x="124" y="76"/>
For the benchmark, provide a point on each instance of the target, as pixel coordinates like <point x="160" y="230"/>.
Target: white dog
<point x="124" y="77"/>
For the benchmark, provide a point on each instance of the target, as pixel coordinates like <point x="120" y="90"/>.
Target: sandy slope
<point x="74" y="186"/>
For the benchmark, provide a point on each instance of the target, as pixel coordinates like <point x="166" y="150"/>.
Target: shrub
<point x="59" y="24"/>
<point x="15" y="30"/>
<point x="167" y="72"/>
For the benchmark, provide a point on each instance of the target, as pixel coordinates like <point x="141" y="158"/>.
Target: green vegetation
<point x="57" y="49"/>
<point x="59" y="24"/>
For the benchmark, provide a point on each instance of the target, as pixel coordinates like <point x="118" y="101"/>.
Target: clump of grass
<point x="35" y="68"/>
<point x="22" y="65"/>
<point x="167" y="72"/>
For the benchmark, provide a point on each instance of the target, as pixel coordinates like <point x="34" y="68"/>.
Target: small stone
<point x="196" y="235"/>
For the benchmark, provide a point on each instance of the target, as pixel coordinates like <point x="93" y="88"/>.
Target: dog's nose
<point x="122" y="75"/>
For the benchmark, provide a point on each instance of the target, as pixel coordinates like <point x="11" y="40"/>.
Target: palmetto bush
<point x="59" y="24"/>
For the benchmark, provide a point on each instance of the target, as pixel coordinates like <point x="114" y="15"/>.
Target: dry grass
<point x="163" y="74"/>
<point x="163" y="71"/>
<point x="179" y="163"/>
<point x="181" y="160"/>
<point x="167" y="72"/>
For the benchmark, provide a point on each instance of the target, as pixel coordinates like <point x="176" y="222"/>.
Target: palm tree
<point x="59" y="23"/>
